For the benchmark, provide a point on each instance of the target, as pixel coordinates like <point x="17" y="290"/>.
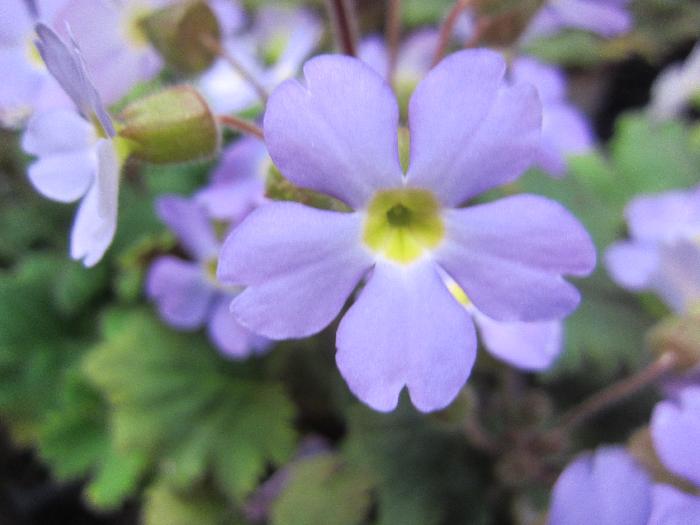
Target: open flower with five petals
<point x="471" y="131"/>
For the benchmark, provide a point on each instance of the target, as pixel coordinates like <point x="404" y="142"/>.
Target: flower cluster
<point x="391" y="196"/>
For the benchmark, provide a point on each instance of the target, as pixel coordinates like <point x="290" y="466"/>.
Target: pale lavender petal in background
<point x="238" y="181"/>
<point x="509" y="256"/>
<point x="549" y="80"/>
<point x="675" y="430"/>
<point x="470" y="132"/>
<point x="300" y="265"/>
<point x="528" y="346"/>
<point x="299" y="30"/>
<point x="608" y="18"/>
<point x="414" y="58"/>
<point x="607" y="487"/>
<point x="190" y="224"/>
<point x="631" y="264"/>
<point x="406" y="329"/>
<point x="675" y="87"/>
<point x="678" y="278"/>
<point x="232" y="339"/>
<point x="565" y="130"/>
<point x="666" y="216"/>
<point x="115" y="50"/>
<point x="96" y="220"/>
<point x="673" y="507"/>
<point x="180" y="291"/>
<point x="373" y="52"/>
<point x="230" y="15"/>
<point x="224" y="88"/>
<point x="338" y="134"/>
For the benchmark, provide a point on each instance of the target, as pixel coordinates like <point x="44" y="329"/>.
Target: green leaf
<point x="166" y="505"/>
<point x="323" y="490"/>
<point x="173" y="397"/>
<point x="425" y="472"/>
<point x="75" y="441"/>
<point x="652" y="157"/>
<point x="37" y="346"/>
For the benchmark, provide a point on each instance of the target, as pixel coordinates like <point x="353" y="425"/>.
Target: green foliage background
<point x="108" y="395"/>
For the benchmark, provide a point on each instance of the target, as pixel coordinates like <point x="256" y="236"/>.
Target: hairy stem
<point x="393" y="34"/>
<point x="241" y="125"/>
<point x="616" y="392"/>
<point x="447" y="28"/>
<point x="344" y="22"/>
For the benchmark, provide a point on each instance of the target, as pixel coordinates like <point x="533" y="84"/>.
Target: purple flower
<point x="186" y="292"/>
<point x="673" y="507"/>
<point x="77" y="153"/>
<point x="274" y="50"/>
<point x="470" y="132"/>
<point x="529" y="346"/>
<point x="565" y="130"/>
<point x="27" y="84"/>
<point x="675" y="429"/>
<point x="238" y="182"/>
<point x="675" y="87"/>
<point x="116" y="49"/>
<point x="608" y="18"/>
<point x="604" y="488"/>
<point x="662" y="254"/>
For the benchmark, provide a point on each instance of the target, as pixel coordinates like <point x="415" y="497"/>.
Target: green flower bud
<point x="175" y="125"/>
<point x="183" y="34"/>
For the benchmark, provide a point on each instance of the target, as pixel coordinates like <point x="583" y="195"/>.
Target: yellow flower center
<point x="402" y="224"/>
<point x="132" y="24"/>
<point x="458" y="293"/>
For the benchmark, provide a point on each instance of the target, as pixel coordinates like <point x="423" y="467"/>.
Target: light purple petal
<point x="565" y="132"/>
<point x="508" y="256"/>
<point x="15" y="22"/>
<point x="339" y="134"/>
<point x="229" y="336"/>
<point x="64" y="177"/>
<point x="96" y="220"/>
<point x="58" y="131"/>
<point x="673" y="507"/>
<point x="101" y="28"/>
<point x="301" y="28"/>
<point x="300" y="265"/>
<point x="470" y="131"/>
<point x="22" y="81"/>
<point x="677" y="280"/>
<point x="632" y="265"/>
<point x="602" y="17"/>
<point x="180" y="291"/>
<point x="238" y="182"/>
<point x="666" y="216"/>
<point x="230" y="15"/>
<point x="406" y="329"/>
<point x="605" y="488"/>
<point x="529" y="346"/>
<point x="373" y="52"/>
<point x="190" y="223"/>
<point x="675" y="429"/>
<point x="68" y="68"/>
<point x="225" y="89"/>
<point x="549" y="81"/>
<point x="416" y="55"/>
